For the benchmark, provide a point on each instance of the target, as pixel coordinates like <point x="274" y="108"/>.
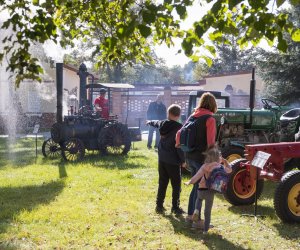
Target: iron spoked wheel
<point x="51" y="149"/>
<point x="241" y="187"/>
<point x="73" y="150"/>
<point x="232" y="153"/>
<point x="287" y="197"/>
<point x="114" y="139"/>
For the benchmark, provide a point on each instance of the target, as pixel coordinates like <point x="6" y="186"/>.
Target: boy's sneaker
<point x="177" y="210"/>
<point x="160" y="210"/>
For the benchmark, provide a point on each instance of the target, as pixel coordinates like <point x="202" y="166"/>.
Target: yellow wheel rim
<point x="294" y="200"/>
<point x="233" y="157"/>
<point x="243" y="185"/>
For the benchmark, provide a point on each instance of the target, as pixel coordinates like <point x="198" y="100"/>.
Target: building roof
<point x="110" y="85"/>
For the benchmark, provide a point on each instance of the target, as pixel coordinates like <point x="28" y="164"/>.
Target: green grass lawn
<point x="109" y="203"/>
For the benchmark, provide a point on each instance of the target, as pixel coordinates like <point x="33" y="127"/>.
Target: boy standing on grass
<point x="170" y="160"/>
<point x="213" y="160"/>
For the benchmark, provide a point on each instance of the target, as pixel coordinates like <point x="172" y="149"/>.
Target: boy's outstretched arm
<point x="153" y="123"/>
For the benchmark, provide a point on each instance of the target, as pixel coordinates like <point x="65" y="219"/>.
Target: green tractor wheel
<point x="232" y="153"/>
<point x="287" y="197"/>
<point x="241" y="187"/>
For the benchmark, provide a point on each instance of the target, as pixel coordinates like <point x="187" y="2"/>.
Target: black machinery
<point x="85" y="129"/>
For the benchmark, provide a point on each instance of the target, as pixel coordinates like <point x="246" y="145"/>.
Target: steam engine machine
<point x="85" y="129"/>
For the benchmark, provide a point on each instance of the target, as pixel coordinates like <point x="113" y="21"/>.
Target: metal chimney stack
<point x="59" y="88"/>
<point x="252" y="95"/>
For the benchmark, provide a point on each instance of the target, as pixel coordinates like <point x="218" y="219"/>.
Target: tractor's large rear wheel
<point x="241" y="187"/>
<point x="114" y="139"/>
<point x="287" y="197"/>
<point x="232" y="153"/>
<point x="51" y="149"/>
<point x="73" y="150"/>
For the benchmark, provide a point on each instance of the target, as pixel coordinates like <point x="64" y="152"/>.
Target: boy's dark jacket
<point x="166" y="148"/>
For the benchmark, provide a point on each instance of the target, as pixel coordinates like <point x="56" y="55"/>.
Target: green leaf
<point x="233" y="3"/>
<point x="40" y="70"/>
<point x="294" y="2"/>
<point x="199" y="30"/>
<point x="260" y="25"/>
<point x="195" y="58"/>
<point x="279" y="2"/>
<point x="257" y="4"/>
<point x="152" y="7"/>
<point x="215" y="35"/>
<point x="211" y="49"/>
<point x="35" y="2"/>
<point x="270" y="34"/>
<point x="187" y="47"/>
<point x="181" y="11"/>
<point x="120" y="31"/>
<point x="208" y="60"/>
<point x="145" y="30"/>
<point x="216" y="7"/>
<point x="296" y="35"/>
<point x="148" y="17"/>
<point x="282" y="44"/>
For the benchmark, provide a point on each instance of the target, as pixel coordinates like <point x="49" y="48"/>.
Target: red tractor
<point x="243" y="182"/>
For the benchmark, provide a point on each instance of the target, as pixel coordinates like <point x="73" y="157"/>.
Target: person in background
<point x="170" y="160"/>
<point x="156" y="111"/>
<point x="213" y="160"/>
<point x="101" y="104"/>
<point x="206" y="136"/>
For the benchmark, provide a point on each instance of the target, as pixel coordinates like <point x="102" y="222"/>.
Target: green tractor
<point x="240" y="127"/>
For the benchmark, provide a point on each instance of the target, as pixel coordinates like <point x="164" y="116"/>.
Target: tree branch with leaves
<point x="127" y="26"/>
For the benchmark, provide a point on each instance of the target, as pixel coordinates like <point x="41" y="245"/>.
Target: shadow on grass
<point x="113" y="161"/>
<point x="264" y="211"/>
<point x="20" y="152"/>
<point x="269" y="190"/>
<point x="59" y="162"/>
<point x="14" y="200"/>
<point x="288" y="231"/>
<point x="62" y="170"/>
<point x="97" y="160"/>
<point x="211" y="240"/>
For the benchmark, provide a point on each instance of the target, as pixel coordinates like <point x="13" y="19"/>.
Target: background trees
<point x="281" y="71"/>
<point x="231" y="58"/>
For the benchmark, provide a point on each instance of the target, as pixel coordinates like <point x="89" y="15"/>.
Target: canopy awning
<point x="110" y="85"/>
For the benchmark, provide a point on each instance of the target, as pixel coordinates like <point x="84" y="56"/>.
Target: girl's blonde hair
<point x="212" y="154"/>
<point x="208" y="101"/>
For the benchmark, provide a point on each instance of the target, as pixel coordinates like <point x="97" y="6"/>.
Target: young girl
<point x="213" y="160"/>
